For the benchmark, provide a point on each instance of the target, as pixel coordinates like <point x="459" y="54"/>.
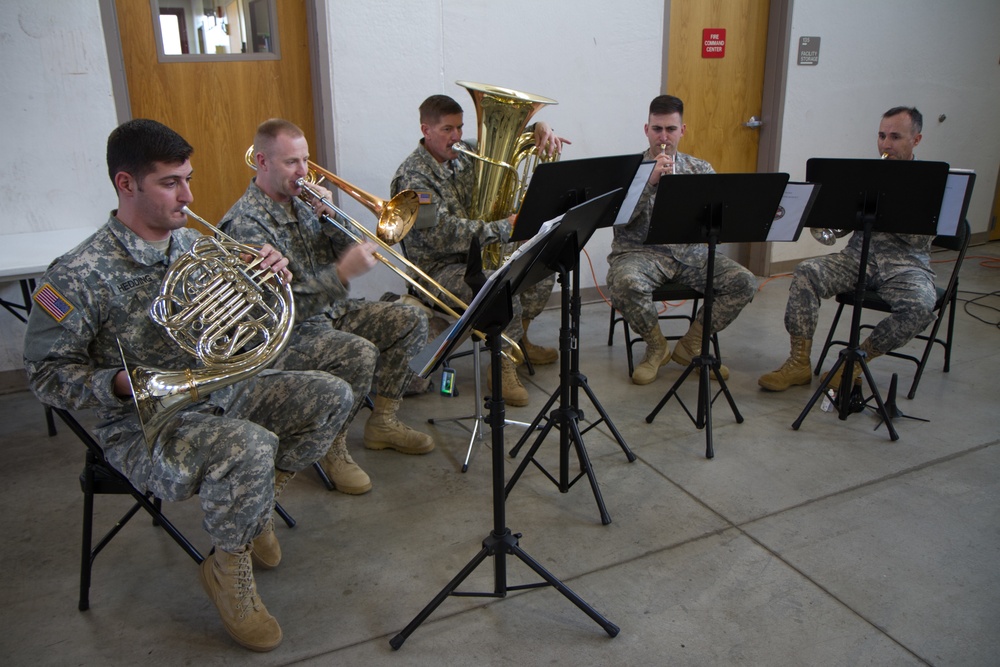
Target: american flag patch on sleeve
<point x="424" y="197"/>
<point x="53" y="303"/>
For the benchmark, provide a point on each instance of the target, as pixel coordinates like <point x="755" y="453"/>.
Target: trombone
<point x="395" y="219"/>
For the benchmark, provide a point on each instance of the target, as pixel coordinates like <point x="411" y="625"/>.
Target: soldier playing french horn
<point x="235" y="448"/>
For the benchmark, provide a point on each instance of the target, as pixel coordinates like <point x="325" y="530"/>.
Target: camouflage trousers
<point x="398" y="331"/>
<point x="526" y="306"/>
<point x="909" y="290"/>
<point x="370" y="345"/>
<point x="632" y="277"/>
<point x="226" y="449"/>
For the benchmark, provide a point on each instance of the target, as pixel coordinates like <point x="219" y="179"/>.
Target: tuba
<point x="234" y="317"/>
<point x="506" y="155"/>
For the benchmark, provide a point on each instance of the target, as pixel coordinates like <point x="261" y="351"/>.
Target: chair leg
<point x="527" y="361"/>
<point x="951" y="330"/>
<point x="829" y="338"/>
<point x="88" y="535"/>
<point x="628" y="347"/>
<point x="323" y="477"/>
<point x="932" y="338"/>
<point x="286" y="517"/>
<point x="611" y="328"/>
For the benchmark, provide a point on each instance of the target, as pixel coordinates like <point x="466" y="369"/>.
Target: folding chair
<point x="100" y="477"/>
<point x="667" y="292"/>
<point x="946" y="298"/>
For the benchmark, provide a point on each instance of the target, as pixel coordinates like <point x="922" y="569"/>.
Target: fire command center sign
<point x="713" y="43"/>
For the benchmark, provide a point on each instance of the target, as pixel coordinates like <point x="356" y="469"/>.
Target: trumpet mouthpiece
<point x="884" y="155"/>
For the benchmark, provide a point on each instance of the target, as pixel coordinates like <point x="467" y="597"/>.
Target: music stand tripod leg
<point x="501" y="541"/>
<point x="566" y="416"/>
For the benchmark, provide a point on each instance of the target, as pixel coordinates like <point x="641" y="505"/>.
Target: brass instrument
<point x="663" y="150"/>
<point x="506" y="157"/>
<point x="828" y="236"/>
<point x="395" y="219"/>
<point x="234" y="317"/>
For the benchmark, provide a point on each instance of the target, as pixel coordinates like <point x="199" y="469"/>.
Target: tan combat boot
<point x="537" y="355"/>
<point x="266" y="552"/>
<point x="657" y="354"/>
<point x="690" y="346"/>
<point x="856" y="371"/>
<point x="383" y="430"/>
<point x="796" y="370"/>
<point x="514" y="392"/>
<point x="346" y="475"/>
<point x="227" y="578"/>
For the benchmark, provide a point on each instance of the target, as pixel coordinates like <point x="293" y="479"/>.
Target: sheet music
<point x="423" y="363"/>
<point x="953" y="202"/>
<point x="634" y="192"/>
<point x="794" y="204"/>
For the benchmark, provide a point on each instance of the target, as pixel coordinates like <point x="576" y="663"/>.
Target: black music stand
<point x="712" y="209"/>
<point x="902" y="197"/>
<point x="491" y="311"/>
<point x="563" y="256"/>
<point x="559" y="188"/>
<point x="556" y="187"/>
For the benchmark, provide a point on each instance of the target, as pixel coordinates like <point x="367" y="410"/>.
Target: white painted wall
<point x="57" y="110"/>
<point x="600" y="60"/>
<point x="940" y="57"/>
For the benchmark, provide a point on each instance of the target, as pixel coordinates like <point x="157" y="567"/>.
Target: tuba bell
<point x="506" y="155"/>
<point x="233" y="316"/>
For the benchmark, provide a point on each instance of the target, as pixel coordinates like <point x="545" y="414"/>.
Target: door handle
<point x="753" y="123"/>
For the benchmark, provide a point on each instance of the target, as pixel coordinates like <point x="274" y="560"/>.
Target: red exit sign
<point x="713" y="43"/>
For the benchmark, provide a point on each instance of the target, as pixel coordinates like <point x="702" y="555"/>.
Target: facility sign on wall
<point x="713" y="43"/>
<point x="808" y="50"/>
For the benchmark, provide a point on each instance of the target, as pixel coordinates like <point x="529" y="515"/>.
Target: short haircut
<point x="916" y="117"/>
<point x="268" y="131"/>
<point x="664" y="105"/>
<point x="436" y="106"/>
<point x="137" y="145"/>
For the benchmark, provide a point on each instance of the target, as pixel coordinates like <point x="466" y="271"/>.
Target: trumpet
<point x="395" y="219"/>
<point x="663" y="150"/>
<point x="828" y="236"/>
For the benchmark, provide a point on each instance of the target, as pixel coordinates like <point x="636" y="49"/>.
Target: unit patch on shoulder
<point x="53" y="303"/>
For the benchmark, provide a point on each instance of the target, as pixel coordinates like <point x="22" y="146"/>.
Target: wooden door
<point x="720" y="94"/>
<point x="217" y="105"/>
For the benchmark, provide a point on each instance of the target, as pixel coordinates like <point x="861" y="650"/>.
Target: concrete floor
<point x="830" y="545"/>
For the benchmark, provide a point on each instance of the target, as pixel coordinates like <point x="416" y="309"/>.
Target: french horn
<point x="234" y="317"/>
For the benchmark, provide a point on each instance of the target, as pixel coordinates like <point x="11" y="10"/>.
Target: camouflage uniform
<point x="898" y="270"/>
<point x="346" y="337"/>
<point x="99" y="293"/>
<point x="441" y="249"/>
<point x="636" y="269"/>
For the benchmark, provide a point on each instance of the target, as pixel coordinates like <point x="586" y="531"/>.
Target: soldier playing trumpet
<point x="636" y="269"/>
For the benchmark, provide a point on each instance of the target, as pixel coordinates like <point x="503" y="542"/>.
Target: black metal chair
<point x="945" y="301"/>
<point x="100" y="478"/>
<point x="668" y="292"/>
